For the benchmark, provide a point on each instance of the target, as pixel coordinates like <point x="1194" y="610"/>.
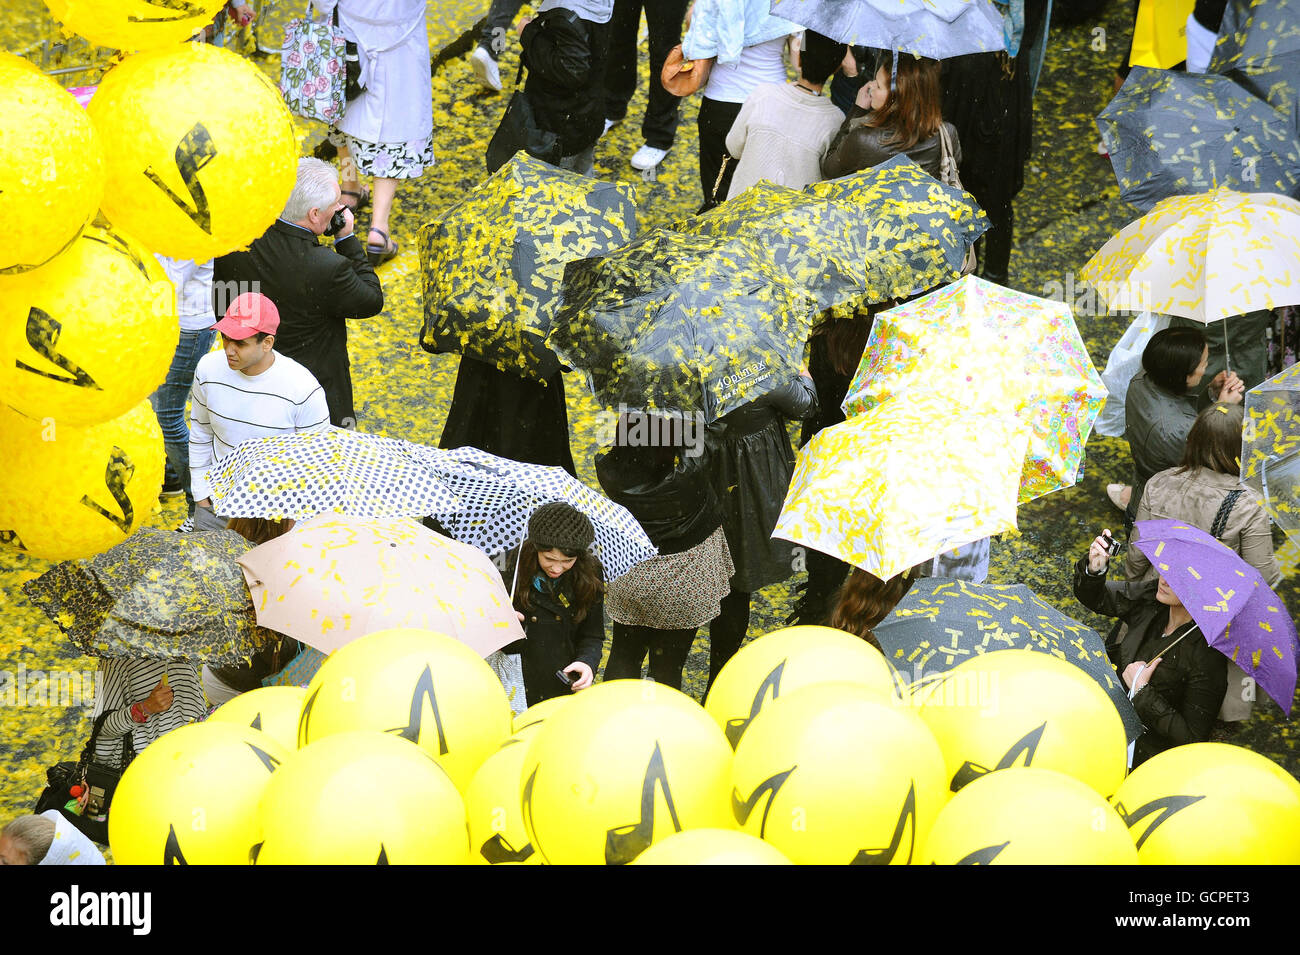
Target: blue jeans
<point x="169" y="405"/>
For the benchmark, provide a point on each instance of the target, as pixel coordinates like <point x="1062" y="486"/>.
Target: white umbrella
<point x="935" y="28"/>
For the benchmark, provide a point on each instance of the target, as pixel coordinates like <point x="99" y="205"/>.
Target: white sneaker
<point x="609" y="124"/>
<point x="485" y="68"/>
<point x="647" y="157"/>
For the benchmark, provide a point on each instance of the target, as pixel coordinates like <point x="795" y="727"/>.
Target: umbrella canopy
<point x="682" y="324"/>
<point x="1259" y="48"/>
<point x="499" y="496"/>
<point x="1204" y="257"/>
<point x="908" y="214"/>
<point x="301" y="475"/>
<point x="492" y="263"/>
<point x="934" y="28"/>
<point x="1172" y="133"/>
<point x="334" y="579"/>
<point x="978" y="345"/>
<point x="158" y="594"/>
<point x="1270" y="451"/>
<point x="904" y="482"/>
<point x="942" y="622"/>
<point x="1236" y="610"/>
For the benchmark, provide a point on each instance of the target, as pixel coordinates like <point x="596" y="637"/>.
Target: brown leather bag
<point x="681" y="76"/>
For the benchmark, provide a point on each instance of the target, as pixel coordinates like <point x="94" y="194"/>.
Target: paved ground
<point x="1070" y="205"/>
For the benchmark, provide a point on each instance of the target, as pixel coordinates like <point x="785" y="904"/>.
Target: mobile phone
<point x="1113" y="547"/>
<point x="337" y="222"/>
<point x="565" y="678"/>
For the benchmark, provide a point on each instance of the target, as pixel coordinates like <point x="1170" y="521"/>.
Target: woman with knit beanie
<point x="559" y="587"/>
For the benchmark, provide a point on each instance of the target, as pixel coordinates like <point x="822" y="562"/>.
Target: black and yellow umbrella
<point x="823" y="246"/>
<point x="682" y="324"/>
<point x="493" y="263"/>
<point x="159" y="595"/>
<point x="909" y="214"/>
<point x="1259" y="49"/>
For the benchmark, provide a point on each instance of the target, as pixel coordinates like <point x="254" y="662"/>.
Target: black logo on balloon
<point x="983" y="856"/>
<point x="193" y="152"/>
<point x="257" y="722"/>
<point x="906" y="824"/>
<point x="1166" y="806"/>
<point x="743" y="809"/>
<point x="383" y="855"/>
<point x="12" y="539"/>
<point x="105" y="236"/>
<point x="496" y="850"/>
<point x="526" y="808"/>
<point x="269" y="761"/>
<point x="117" y="475"/>
<point x="1027" y="745"/>
<point x="771" y="683"/>
<point x="423" y="691"/>
<point x="172" y="854"/>
<point x="625" y="843"/>
<point x="43" y="333"/>
<point x="304" y="721"/>
<point x="254" y="851"/>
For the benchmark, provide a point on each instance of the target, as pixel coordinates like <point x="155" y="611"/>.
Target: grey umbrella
<point x="1173" y="134"/>
<point x="1259" y="48"/>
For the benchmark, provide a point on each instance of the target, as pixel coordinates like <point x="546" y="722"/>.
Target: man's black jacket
<point x="316" y="289"/>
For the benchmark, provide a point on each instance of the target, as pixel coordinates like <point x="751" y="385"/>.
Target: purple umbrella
<point x="1237" y="612"/>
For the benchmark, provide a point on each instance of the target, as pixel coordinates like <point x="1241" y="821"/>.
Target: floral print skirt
<point x="387" y="160"/>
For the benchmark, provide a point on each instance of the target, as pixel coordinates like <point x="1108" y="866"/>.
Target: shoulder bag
<point x="681" y="76"/>
<point x="100" y="778"/>
<point x="949" y="175"/>
<point x="518" y="130"/>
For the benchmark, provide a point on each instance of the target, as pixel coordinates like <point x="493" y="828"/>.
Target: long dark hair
<point x="913" y="109"/>
<point x="1172" y="355"/>
<point x="845" y="335"/>
<point x="587" y="575"/>
<point x="865" y="600"/>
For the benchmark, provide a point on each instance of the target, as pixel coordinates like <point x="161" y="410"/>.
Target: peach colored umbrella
<point x="335" y="578"/>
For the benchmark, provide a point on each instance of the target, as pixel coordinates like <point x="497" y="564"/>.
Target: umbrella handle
<point x="1227" y="358"/>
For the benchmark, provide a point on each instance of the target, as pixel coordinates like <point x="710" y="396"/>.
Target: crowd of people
<point x="283" y="363"/>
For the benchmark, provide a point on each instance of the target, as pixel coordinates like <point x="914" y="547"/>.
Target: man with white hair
<point x="316" y="290"/>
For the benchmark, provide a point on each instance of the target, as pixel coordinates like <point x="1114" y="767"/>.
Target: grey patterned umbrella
<point x="1259" y="48"/>
<point x="1172" y="134"/>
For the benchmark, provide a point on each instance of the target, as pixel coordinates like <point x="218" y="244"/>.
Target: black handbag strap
<point x="88" y="751"/>
<point x="1225" y="509"/>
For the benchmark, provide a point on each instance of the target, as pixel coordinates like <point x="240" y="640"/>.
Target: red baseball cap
<point x="250" y="313"/>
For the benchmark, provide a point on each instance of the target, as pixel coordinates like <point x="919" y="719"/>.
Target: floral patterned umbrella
<point x="904" y="482"/>
<point x="157" y="594"/>
<point x="492" y="263"/>
<point x="984" y="347"/>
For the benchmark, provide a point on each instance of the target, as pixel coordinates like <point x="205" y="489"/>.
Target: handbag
<point x="314" y="69"/>
<point x="949" y="175"/>
<point x="681" y="76"/>
<point x="1160" y="33"/>
<point x="100" y="778"/>
<point x="518" y="130"/>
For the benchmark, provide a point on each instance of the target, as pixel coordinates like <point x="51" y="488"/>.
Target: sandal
<point x="362" y="198"/>
<point x="379" y="254"/>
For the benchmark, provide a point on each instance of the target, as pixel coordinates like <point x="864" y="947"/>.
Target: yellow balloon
<point x="68" y="492"/>
<point x="53" y="162"/>
<point x="532" y="718"/>
<point x="619" y="767"/>
<point x="1025" y="708"/>
<point x="833" y="774"/>
<point x="272" y="709"/>
<point x="1028" y="817"/>
<point x="1211" y="804"/>
<point x="711" y="847"/>
<point x="496" y="825"/>
<point x="191" y="797"/>
<point x="201" y="153"/>
<point x="785" y="660"/>
<point x="67" y="329"/>
<point x="425" y="687"/>
<point x="134" y="24"/>
<point x="362" y="799"/>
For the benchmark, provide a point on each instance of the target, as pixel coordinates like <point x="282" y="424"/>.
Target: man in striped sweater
<point x="247" y="390"/>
